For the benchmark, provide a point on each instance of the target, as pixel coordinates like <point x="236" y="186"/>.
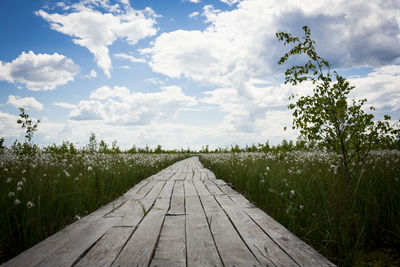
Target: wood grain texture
<point x="171" y="248"/>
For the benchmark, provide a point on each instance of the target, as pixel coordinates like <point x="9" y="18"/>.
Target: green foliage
<point x="27" y="124"/>
<point x="92" y="145"/>
<point x="327" y="117"/>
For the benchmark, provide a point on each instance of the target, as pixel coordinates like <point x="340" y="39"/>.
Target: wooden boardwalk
<point x="182" y="216"/>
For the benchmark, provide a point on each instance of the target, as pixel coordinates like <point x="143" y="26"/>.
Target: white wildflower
<point x="9" y="179"/>
<point x="90" y="168"/>
<point x="301" y="207"/>
<point x="19" y="188"/>
<point x="16" y="202"/>
<point x="11" y="194"/>
<point x="77" y="217"/>
<point x="292" y="193"/>
<point x="30" y="205"/>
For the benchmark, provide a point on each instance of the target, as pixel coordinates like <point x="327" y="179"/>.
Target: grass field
<point x="41" y="193"/>
<point x="307" y="193"/>
<point x="351" y="224"/>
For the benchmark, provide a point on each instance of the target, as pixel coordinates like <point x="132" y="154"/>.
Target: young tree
<point x="27" y="124"/>
<point x="327" y="117"/>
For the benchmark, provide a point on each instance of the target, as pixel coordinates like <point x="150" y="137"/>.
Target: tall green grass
<point x="308" y="194"/>
<point x="42" y="192"/>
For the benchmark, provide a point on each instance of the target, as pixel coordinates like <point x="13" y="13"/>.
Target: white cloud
<point x="380" y="87"/>
<point x="193" y="14"/>
<point x="155" y="80"/>
<point x="29" y="103"/>
<point x="39" y="72"/>
<point x="129" y="57"/>
<point x="9" y="126"/>
<point x="118" y="106"/>
<point x="240" y="45"/>
<point x="193" y="1"/>
<point x="91" y="75"/>
<point x="64" y="105"/>
<point x="124" y="67"/>
<point x="230" y="2"/>
<point x="97" y="30"/>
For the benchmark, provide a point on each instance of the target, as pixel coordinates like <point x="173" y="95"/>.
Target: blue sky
<point x="182" y="73"/>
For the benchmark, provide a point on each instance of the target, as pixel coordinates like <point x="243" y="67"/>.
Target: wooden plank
<point x="201" y="188"/>
<point x="228" y="190"/>
<point x="171" y="248"/>
<point x="189" y="175"/>
<point x="144" y="190"/>
<point x="177" y="200"/>
<point x="178" y="176"/>
<point x="139" y="249"/>
<point x="196" y="175"/>
<point x="210" y="175"/>
<point x="302" y="253"/>
<point x="201" y="249"/>
<point x="232" y="250"/>
<point x="69" y="252"/>
<point x="214" y="190"/>
<point x="190" y="190"/>
<point x="241" y="201"/>
<point x="262" y="246"/>
<point x="107" y="248"/>
<point x="218" y="182"/>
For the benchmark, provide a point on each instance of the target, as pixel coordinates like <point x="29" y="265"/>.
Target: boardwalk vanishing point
<point x="181" y="216"/>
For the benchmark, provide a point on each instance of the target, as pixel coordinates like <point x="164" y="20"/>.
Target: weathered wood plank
<point x="171" y="248"/>
<point x="70" y="251"/>
<point x="214" y="190"/>
<point x="302" y="253"/>
<point x="201" y="249"/>
<point x="138" y="251"/>
<point x="177" y="201"/>
<point x="190" y="190"/>
<point x="232" y="249"/>
<point x="107" y="248"/>
<point x="266" y="251"/>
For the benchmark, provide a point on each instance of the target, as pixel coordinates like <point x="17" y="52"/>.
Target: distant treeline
<point x="101" y="146"/>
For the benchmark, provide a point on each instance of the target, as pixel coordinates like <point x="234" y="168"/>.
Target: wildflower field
<point x="307" y="193"/>
<point x="44" y="191"/>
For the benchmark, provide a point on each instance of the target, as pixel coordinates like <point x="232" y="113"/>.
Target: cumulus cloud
<point x="9" y="126"/>
<point x="29" y="103"/>
<point x="380" y="87"/>
<point x="39" y="72"/>
<point x="98" y="24"/>
<point x="240" y="44"/>
<point x="119" y="106"/>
